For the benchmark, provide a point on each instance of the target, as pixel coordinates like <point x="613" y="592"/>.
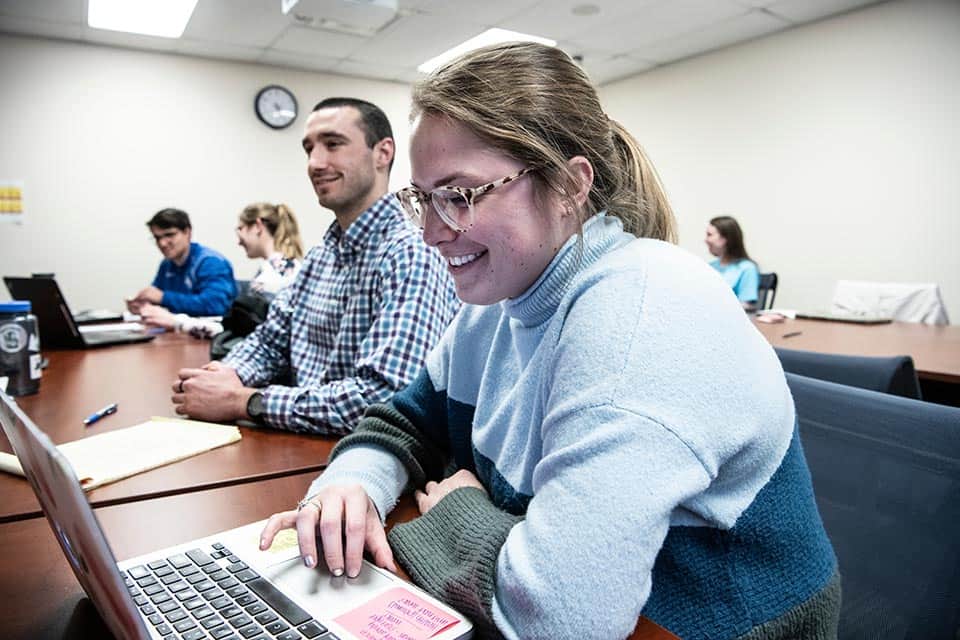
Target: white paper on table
<point x="111" y="326"/>
<point x="113" y="455"/>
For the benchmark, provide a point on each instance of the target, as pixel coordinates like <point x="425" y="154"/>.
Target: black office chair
<point x="767" y="291"/>
<point x="894" y="374"/>
<point x="243" y="287"/>
<point x="886" y="476"/>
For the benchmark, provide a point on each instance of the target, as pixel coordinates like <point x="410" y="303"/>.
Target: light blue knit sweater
<point x="635" y="435"/>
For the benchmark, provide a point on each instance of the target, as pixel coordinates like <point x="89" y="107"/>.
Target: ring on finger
<point x="308" y="501"/>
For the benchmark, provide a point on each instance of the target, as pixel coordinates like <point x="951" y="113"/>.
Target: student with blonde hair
<point x="601" y="432"/>
<point x="265" y="231"/>
<point x="270" y="231"/>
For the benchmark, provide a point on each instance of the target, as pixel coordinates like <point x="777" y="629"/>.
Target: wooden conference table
<point x="935" y="349"/>
<point x="138" y="377"/>
<point x="41" y="599"/>
<point x="242" y="482"/>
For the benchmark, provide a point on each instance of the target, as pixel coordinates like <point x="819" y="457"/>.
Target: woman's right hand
<point x="348" y="523"/>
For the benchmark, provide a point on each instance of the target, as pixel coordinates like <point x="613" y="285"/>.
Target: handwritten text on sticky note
<point x="397" y="614"/>
<point x="285" y="539"/>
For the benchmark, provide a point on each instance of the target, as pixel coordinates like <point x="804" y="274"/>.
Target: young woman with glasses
<point x="601" y="433"/>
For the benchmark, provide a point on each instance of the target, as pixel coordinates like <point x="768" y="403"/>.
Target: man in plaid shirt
<point x="365" y="309"/>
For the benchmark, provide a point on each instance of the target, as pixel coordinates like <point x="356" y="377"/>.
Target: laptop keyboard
<point x="213" y="594"/>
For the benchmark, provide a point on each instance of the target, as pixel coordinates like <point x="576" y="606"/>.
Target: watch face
<point x="255" y="406"/>
<point x="275" y="106"/>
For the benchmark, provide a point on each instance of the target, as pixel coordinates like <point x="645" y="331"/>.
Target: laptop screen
<point x="72" y="520"/>
<point x="57" y="327"/>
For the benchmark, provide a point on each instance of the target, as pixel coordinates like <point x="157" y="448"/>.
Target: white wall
<point x="104" y="137"/>
<point x="836" y="145"/>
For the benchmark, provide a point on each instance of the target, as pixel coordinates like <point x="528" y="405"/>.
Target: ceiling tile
<point x="756" y="4"/>
<point x="408" y="76"/>
<point x="720" y="34"/>
<point x="312" y="42"/>
<point x="368" y="70"/>
<point x="413" y="40"/>
<point x="130" y="40"/>
<point x="555" y="18"/>
<point x="33" y="26"/>
<point x="658" y="22"/>
<point x="625" y="37"/>
<point x="206" y="49"/>
<point x="69" y="11"/>
<point x="248" y="23"/>
<point x="299" y="61"/>
<point x="607" y="69"/>
<point x="489" y="12"/>
<point x="809" y="10"/>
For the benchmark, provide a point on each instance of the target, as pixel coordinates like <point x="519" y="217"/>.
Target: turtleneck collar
<point x="600" y="234"/>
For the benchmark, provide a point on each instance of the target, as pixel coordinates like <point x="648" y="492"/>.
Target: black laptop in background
<point x="58" y="327"/>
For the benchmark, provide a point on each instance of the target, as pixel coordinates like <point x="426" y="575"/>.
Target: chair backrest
<point x="243" y="287"/>
<point x="894" y="374"/>
<point x="886" y="475"/>
<point x="903" y="301"/>
<point x="767" y="291"/>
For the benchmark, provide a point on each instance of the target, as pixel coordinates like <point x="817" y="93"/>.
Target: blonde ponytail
<point x="280" y="223"/>
<point x="287" y="236"/>
<point x="639" y="201"/>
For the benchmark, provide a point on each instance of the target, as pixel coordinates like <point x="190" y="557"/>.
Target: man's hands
<point x="151" y="295"/>
<point x="213" y="392"/>
<point x="340" y="513"/>
<point x="157" y="316"/>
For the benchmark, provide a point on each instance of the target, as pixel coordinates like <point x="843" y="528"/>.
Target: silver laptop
<point x="846" y="316"/>
<point x="221" y="586"/>
<point x="58" y="326"/>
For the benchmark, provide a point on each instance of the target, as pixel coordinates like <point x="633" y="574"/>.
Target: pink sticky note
<point x="397" y="614"/>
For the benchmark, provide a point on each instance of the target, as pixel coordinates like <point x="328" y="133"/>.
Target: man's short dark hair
<point x="169" y="219"/>
<point x="375" y="124"/>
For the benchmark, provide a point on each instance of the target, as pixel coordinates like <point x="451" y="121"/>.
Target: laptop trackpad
<point x="326" y="595"/>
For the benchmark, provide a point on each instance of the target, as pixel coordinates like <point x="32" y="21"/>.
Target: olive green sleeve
<point x="382" y="425"/>
<point x="451" y="552"/>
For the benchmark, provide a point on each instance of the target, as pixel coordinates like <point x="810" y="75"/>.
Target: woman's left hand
<point x="434" y="492"/>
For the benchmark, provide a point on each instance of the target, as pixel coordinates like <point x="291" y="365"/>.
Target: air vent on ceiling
<point x="360" y="17"/>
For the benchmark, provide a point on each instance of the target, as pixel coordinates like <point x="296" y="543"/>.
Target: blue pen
<point x="107" y="410"/>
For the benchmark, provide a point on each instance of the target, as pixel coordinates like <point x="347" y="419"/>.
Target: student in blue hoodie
<point x="601" y="433"/>
<point x="192" y="279"/>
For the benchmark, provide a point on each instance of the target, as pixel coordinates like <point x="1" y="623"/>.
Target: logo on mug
<point x="13" y="338"/>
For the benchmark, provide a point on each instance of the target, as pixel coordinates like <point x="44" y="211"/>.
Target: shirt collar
<point x="354" y="239"/>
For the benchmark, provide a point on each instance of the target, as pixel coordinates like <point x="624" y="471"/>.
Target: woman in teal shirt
<point x="725" y="241"/>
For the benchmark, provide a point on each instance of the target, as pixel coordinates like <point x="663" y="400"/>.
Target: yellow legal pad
<point x="114" y="455"/>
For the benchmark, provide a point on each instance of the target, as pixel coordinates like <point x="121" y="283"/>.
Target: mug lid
<point x="15" y="306"/>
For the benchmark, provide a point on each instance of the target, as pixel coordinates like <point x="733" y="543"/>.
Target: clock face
<point x="275" y="106"/>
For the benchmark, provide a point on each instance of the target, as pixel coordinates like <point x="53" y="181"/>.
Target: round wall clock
<point x="276" y="106"/>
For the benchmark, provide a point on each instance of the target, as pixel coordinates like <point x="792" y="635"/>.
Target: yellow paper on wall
<point x="114" y="455"/>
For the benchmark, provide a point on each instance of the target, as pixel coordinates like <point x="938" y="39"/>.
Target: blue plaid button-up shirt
<point x="354" y="327"/>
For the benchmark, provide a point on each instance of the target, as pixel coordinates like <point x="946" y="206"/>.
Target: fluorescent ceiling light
<point x="163" y="18"/>
<point x="488" y="37"/>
